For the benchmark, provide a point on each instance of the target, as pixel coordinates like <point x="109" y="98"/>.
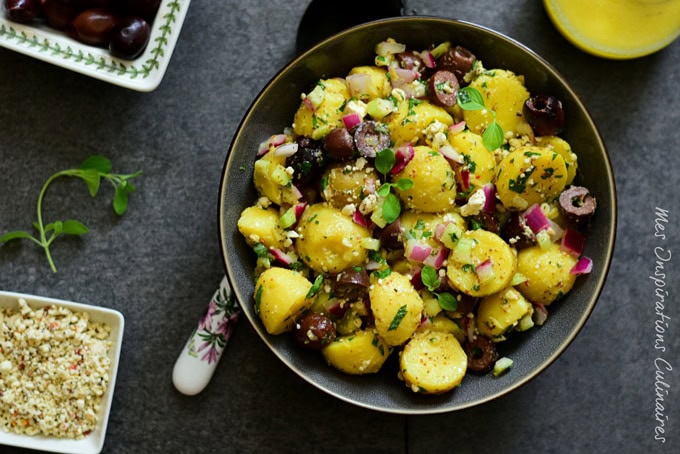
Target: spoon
<point x="324" y="18"/>
<point x="199" y="357"/>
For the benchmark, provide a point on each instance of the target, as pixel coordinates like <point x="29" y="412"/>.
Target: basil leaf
<point x="384" y="160"/>
<point x="469" y="98"/>
<point x="493" y="136"/>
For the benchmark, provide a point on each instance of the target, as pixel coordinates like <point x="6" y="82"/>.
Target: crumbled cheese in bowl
<point x="54" y="370"/>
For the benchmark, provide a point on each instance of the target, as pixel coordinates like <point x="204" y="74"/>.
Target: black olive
<point x="308" y="162"/>
<point x="517" y="233"/>
<point x="129" y="37"/>
<point x="486" y="221"/>
<point x="339" y="144"/>
<point x="314" y="331"/>
<point x="442" y="88"/>
<point x="457" y="60"/>
<point x="351" y="283"/>
<point x="577" y="204"/>
<point x="545" y="114"/>
<point x="481" y="353"/>
<point x="391" y="236"/>
<point x="370" y="137"/>
<point x="93" y="26"/>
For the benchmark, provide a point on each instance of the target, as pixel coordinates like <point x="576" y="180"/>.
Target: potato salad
<point x="421" y="207"/>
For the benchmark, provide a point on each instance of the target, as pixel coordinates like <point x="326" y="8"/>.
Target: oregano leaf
<point x="384" y="160"/>
<point x="447" y="301"/>
<point x="384" y="190"/>
<point x="391" y="208"/>
<point x="20" y="234"/>
<point x="404" y="184"/>
<point x="120" y="201"/>
<point x="92" y="179"/>
<point x="98" y="163"/>
<point x="73" y="227"/>
<point x="493" y="136"/>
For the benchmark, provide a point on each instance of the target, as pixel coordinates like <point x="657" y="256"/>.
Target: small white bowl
<point x="53" y="46"/>
<point x="94" y="442"/>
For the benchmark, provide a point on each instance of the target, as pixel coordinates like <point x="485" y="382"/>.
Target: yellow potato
<point x="441" y="322"/>
<point x="479" y="161"/>
<point x="396" y="306"/>
<point x="261" y="225"/>
<point x="362" y="352"/>
<point x="315" y="121"/>
<point x="475" y="248"/>
<point x="547" y="272"/>
<point x="280" y="297"/>
<point x="433" y="362"/>
<point x="330" y="241"/>
<point x="344" y="184"/>
<point x="272" y="180"/>
<point x="530" y="175"/>
<point x="422" y="227"/>
<point x="434" y="183"/>
<point x="500" y="312"/>
<point x="378" y="87"/>
<point x="505" y="93"/>
<point x="410" y="122"/>
<point x="561" y="146"/>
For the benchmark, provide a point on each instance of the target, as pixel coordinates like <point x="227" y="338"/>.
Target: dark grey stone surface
<point x="160" y="263"/>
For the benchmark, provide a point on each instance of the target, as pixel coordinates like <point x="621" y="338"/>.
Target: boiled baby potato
<point x="529" y="175"/>
<point x="280" y="296"/>
<point x="345" y="184"/>
<point x="561" y="146"/>
<point x="479" y="161"/>
<point x="329" y="240"/>
<point x="504" y="93"/>
<point x="547" y="272"/>
<point x="378" y="85"/>
<point x="321" y="111"/>
<point x="433" y="362"/>
<point x="434" y="183"/>
<point x="397" y="307"/>
<point x="470" y="255"/>
<point x="362" y="352"/>
<point x="261" y="225"/>
<point x="500" y="312"/>
<point x="272" y="180"/>
<point x="412" y="118"/>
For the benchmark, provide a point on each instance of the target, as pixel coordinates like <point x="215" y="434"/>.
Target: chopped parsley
<point x="398" y="317"/>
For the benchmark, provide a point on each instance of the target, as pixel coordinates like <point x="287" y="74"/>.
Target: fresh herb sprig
<point x="429" y="277"/>
<point x="91" y="171"/>
<point x="469" y="98"/>
<point x="391" y="207"/>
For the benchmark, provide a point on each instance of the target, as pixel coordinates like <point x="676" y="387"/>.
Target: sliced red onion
<point x="540" y="314"/>
<point x="403" y="156"/>
<point x="489" y="198"/>
<point x="359" y="84"/>
<point x="456" y="127"/>
<point x="536" y="219"/>
<point x="417" y="251"/>
<point x="351" y="120"/>
<point x="273" y="141"/>
<point x="428" y="59"/>
<point x="286" y="150"/>
<point x="437" y="260"/>
<point x="573" y="242"/>
<point x="451" y="154"/>
<point x="583" y="266"/>
<point x="281" y="256"/>
<point x="485" y="271"/>
<point x="386" y="48"/>
<point x="359" y="219"/>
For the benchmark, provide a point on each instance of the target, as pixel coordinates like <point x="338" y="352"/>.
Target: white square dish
<point x="53" y="46"/>
<point x="94" y="442"/>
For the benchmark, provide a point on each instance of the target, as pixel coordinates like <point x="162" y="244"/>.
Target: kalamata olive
<point x="442" y="87"/>
<point x="59" y="14"/>
<point x="411" y="60"/>
<point x="517" y="233"/>
<point x="481" y="353"/>
<point x="339" y="144"/>
<point x="313" y="331"/>
<point x="391" y="236"/>
<point x="457" y="60"/>
<point x="486" y="221"/>
<point x="129" y="37"/>
<point x="370" y="137"/>
<point x="545" y="114"/>
<point x="144" y="8"/>
<point x="23" y="11"/>
<point x="93" y="26"/>
<point x="577" y="204"/>
<point x="465" y="304"/>
<point x="308" y="162"/>
<point x="351" y="283"/>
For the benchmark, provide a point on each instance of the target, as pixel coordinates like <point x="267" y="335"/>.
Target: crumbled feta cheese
<point x="475" y="203"/>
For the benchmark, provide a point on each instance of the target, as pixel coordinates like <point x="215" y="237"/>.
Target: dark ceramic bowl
<point x="273" y="110"/>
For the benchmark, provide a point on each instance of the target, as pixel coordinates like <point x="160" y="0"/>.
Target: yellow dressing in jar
<point x="618" y="29"/>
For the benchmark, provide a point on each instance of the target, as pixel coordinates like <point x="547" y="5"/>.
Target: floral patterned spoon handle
<point x="199" y="357"/>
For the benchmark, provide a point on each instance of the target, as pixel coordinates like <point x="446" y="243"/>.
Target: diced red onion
<point x="469" y="324"/>
<point x="308" y="102"/>
<point x="359" y="219"/>
<point x="372" y="265"/>
<point x="417" y="251"/>
<point x="428" y="59"/>
<point x="358" y="84"/>
<point x="457" y="127"/>
<point x="465" y="179"/>
<point x="424" y="321"/>
<point x="286" y="150"/>
<point x="450" y="154"/>
<point x="439" y="230"/>
<point x="400" y="77"/>
<point x="540" y="314"/>
<point x="337" y="308"/>
<point x="273" y="141"/>
<point x="417" y="280"/>
<point x="437" y="260"/>
<point x="281" y="256"/>
<point x="403" y="156"/>
<point x="489" y="198"/>
<point x="485" y="271"/>
<point x="556" y="232"/>
<point x="572" y="242"/>
<point x="536" y="219"/>
<point x="583" y="266"/>
<point x="351" y="120"/>
<point x="296" y="192"/>
<point x="299" y="209"/>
